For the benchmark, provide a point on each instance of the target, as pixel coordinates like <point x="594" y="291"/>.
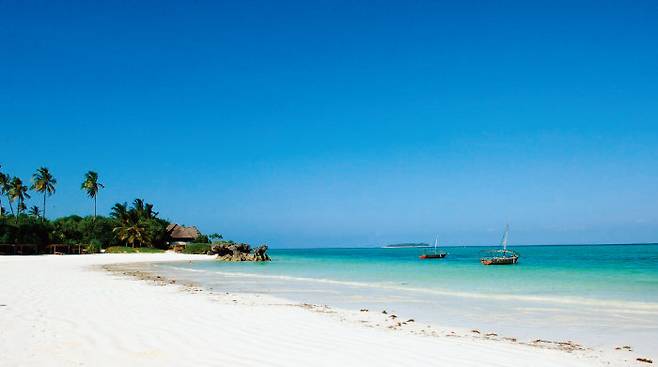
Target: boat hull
<point x="432" y="256"/>
<point x="500" y="260"/>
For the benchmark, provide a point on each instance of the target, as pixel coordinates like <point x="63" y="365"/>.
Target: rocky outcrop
<point x="239" y="252"/>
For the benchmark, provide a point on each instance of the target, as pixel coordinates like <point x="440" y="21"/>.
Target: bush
<point x="196" y="248"/>
<point x="156" y="230"/>
<point x="202" y="238"/>
<point x="74" y="229"/>
<point x="27" y="231"/>
<point x="93" y="247"/>
<point x="130" y="250"/>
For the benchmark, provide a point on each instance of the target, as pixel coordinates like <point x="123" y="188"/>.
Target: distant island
<point x="407" y="245"/>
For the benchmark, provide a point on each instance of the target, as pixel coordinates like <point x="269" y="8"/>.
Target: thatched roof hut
<point x="178" y="233"/>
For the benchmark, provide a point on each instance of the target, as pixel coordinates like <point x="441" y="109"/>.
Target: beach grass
<point x="196" y="248"/>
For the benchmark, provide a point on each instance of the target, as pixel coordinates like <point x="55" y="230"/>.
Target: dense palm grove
<point x="133" y="225"/>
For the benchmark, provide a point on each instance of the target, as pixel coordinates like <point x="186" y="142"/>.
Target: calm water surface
<point x="601" y="295"/>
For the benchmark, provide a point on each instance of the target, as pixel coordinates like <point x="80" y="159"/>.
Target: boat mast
<point x="504" y="241"/>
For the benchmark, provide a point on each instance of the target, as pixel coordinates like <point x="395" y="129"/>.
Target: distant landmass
<point x="407" y="245"/>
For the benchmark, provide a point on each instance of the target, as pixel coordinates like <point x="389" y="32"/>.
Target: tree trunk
<point x="18" y="210"/>
<point x="94" y="208"/>
<point x="43" y="214"/>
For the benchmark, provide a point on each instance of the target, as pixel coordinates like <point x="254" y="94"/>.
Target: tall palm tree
<point x="21" y="207"/>
<point x="4" y="190"/>
<point x="18" y="192"/>
<point x="35" y="212"/>
<point x="44" y="182"/>
<point x="91" y="186"/>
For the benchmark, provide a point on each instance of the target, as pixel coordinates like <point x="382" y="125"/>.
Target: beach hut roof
<point x="178" y="232"/>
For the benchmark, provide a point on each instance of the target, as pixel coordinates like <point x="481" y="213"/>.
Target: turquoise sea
<point x="598" y="295"/>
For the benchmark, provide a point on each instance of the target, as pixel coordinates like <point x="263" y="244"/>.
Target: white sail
<point x="505" y="236"/>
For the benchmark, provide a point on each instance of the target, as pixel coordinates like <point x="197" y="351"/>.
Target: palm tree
<point x="4" y="190"/>
<point x="143" y="209"/>
<point x="44" y="182"/>
<point x="35" y="212"/>
<point x="18" y="192"/>
<point x="21" y="207"/>
<point x="132" y="229"/>
<point x="120" y="212"/>
<point x="91" y="187"/>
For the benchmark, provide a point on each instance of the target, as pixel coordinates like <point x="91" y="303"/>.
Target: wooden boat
<point x="501" y="257"/>
<point x="435" y="255"/>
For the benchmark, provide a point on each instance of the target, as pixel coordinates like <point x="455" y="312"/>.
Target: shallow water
<point x="602" y="296"/>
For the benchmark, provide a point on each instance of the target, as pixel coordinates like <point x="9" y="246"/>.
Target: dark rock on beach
<point x="239" y="252"/>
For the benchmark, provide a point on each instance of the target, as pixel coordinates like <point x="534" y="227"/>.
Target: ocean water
<point x="601" y="296"/>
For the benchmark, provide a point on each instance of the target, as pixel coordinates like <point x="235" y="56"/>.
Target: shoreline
<point x="389" y="319"/>
<point x="375" y="318"/>
<point x="224" y="327"/>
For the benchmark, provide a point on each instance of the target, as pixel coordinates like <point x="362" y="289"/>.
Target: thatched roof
<point x="178" y="232"/>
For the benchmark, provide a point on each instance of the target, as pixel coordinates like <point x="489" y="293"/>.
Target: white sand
<point x="59" y="311"/>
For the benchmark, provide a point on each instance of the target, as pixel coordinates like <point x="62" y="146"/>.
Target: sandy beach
<point x="66" y="311"/>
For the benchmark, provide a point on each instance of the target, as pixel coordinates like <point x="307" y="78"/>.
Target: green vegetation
<point x="130" y="250"/>
<point x="18" y="192"/>
<point x="196" y="248"/>
<point x="139" y="225"/>
<point x="136" y="227"/>
<point x="91" y="186"/>
<point x="26" y="230"/>
<point x="202" y="239"/>
<point x="128" y="228"/>
<point x="43" y="182"/>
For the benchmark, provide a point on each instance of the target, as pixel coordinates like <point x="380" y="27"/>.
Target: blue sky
<point x="330" y="123"/>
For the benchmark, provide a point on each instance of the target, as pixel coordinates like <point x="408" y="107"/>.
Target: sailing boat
<point x="501" y="257"/>
<point x="436" y="254"/>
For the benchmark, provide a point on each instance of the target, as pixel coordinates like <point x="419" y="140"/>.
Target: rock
<point x="237" y="252"/>
<point x="645" y="360"/>
<point x="260" y="254"/>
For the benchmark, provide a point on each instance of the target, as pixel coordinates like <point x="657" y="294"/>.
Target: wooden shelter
<point x="179" y="235"/>
<point x="60" y="249"/>
<point x="18" y="249"/>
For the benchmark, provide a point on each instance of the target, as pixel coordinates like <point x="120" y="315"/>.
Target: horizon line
<point x="455" y="246"/>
